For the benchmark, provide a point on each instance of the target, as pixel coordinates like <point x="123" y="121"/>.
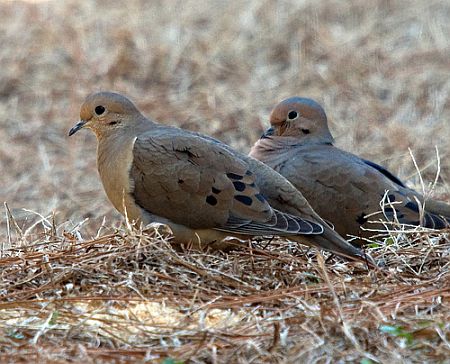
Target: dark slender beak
<point x="77" y="127"/>
<point x="269" y="132"/>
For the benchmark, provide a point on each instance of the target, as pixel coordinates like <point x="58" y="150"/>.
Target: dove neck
<point x="122" y="134"/>
<point x="274" y="144"/>
<point x="125" y="129"/>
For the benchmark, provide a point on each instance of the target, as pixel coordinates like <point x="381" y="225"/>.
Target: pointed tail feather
<point x="332" y="242"/>
<point x="440" y="209"/>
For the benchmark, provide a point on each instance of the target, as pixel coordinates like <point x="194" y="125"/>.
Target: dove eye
<point x="292" y="115"/>
<point x="99" y="110"/>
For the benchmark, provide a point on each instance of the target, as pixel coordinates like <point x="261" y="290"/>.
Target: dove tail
<point x="440" y="209"/>
<point x="331" y="241"/>
<point x="436" y="214"/>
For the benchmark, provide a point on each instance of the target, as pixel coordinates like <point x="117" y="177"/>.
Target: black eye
<point x="292" y="115"/>
<point x="99" y="109"/>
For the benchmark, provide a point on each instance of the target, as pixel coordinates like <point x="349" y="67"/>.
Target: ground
<point x="79" y="285"/>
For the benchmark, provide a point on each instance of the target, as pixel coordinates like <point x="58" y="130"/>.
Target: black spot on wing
<point x="234" y="176"/>
<point x="412" y="206"/>
<point x="389" y="198"/>
<point x="244" y="199"/>
<point x="239" y="186"/>
<point x="361" y="219"/>
<point x="390" y="213"/>
<point x="211" y="200"/>
<point x="384" y="172"/>
<point x="215" y="190"/>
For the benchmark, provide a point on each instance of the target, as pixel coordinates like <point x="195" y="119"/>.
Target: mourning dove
<point x="341" y="187"/>
<point x="201" y="188"/>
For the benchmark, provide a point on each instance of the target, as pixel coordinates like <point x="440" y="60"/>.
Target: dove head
<point x="300" y="118"/>
<point x="105" y="112"/>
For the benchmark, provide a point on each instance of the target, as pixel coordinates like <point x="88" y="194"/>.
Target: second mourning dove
<point x="201" y="188"/>
<point x="341" y="187"/>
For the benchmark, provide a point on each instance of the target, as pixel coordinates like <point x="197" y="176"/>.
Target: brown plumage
<point x="201" y="188"/>
<point x="341" y="187"/>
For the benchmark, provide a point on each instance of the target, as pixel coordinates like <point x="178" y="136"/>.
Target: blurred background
<point x="381" y="69"/>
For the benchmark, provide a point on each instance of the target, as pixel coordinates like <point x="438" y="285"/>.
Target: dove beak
<point x="77" y="127"/>
<point x="269" y="132"/>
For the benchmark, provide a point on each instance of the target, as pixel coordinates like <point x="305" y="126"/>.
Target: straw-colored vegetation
<point x="78" y="285"/>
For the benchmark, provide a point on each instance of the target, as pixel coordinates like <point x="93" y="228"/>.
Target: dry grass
<point x="74" y="287"/>
<point x="129" y="295"/>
